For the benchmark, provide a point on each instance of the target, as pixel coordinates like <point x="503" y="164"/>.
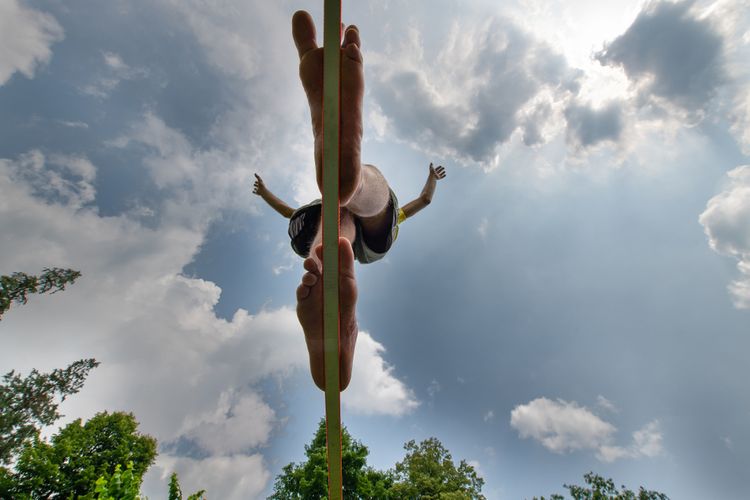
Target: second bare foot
<point x="310" y="314"/>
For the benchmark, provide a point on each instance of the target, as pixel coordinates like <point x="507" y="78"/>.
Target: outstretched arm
<point x="261" y="190"/>
<point x="426" y="196"/>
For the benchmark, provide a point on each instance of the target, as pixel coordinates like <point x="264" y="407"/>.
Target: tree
<point x="17" y="286"/>
<point x="599" y="488"/>
<point x="29" y="403"/>
<point x="310" y="478"/>
<point x="79" y="455"/>
<point x="428" y="472"/>
<point x="175" y="492"/>
<point x="84" y="462"/>
<point x="120" y="486"/>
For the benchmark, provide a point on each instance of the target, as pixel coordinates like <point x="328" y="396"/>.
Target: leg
<point x="352" y="92"/>
<point x="371" y="206"/>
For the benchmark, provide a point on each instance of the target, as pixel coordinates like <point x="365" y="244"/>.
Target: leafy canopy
<point x="29" y="403"/>
<point x="310" y="478"/>
<point x="83" y="462"/>
<point x="80" y="454"/>
<point x="17" y="286"/>
<point x="598" y="488"/>
<point x="427" y="472"/>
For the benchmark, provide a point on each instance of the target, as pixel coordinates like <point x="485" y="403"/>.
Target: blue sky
<point x="575" y="298"/>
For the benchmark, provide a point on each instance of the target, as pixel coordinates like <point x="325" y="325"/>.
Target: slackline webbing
<point x="331" y="131"/>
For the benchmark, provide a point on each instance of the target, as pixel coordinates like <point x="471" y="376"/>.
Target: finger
<point x="303" y="32"/>
<point x="257" y="176"/>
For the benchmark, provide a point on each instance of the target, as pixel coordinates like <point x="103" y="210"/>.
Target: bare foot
<point x="352" y="92"/>
<point x="310" y="314"/>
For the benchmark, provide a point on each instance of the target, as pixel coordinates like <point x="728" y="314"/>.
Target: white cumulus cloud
<point x="374" y="389"/>
<point x="726" y="222"/>
<point x="563" y="427"/>
<point x="226" y="477"/>
<point x="26" y="36"/>
<point x="188" y="375"/>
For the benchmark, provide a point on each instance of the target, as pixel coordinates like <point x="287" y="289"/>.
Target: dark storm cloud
<point x="500" y="72"/>
<point x="588" y="126"/>
<point x="682" y="54"/>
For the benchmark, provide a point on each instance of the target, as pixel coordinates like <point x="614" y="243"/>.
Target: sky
<point x="576" y="298"/>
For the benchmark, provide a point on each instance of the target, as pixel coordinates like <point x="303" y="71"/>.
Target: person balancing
<point x="370" y="214"/>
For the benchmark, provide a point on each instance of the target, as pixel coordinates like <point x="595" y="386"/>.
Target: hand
<point x="259" y="187"/>
<point x="437" y="173"/>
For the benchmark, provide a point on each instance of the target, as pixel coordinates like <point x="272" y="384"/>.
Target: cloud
<point x="433" y="388"/>
<point x="733" y="18"/>
<point x="63" y="178"/>
<point x="671" y="53"/>
<point x="563" y="427"/>
<point x="478" y="90"/>
<point x="490" y="415"/>
<point x="374" y="390"/>
<point x="647" y="442"/>
<point x="115" y="71"/>
<point x="73" y="124"/>
<point x="226" y="477"/>
<point x="728" y="442"/>
<point x="205" y="181"/>
<point x="560" y="426"/>
<point x="26" y="36"/>
<point x="588" y="126"/>
<point x="239" y="422"/>
<point x="482" y="227"/>
<point x="191" y="377"/>
<point x="606" y="404"/>
<point x="726" y="222"/>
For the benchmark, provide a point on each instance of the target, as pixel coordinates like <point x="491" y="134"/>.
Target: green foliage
<point x="30" y="403"/>
<point x="175" y="492"/>
<point x="79" y="455"/>
<point x="120" y="486"/>
<point x="310" y="478"/>
<point x="83" y="462"/>
<point x="17" y="286"/>
<point x="598" y="488"/>
<point x="428" y="472"/>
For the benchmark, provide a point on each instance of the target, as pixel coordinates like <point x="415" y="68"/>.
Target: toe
<point x="303" y="31"/>
<point x="351" y="36"/>
<point x="319" y="252"/>
<point x="353" y="53"/>
<point x="309" y="279"/>
<point x="311" y="265"/>
<point x="302" y="292"/>
<point x="346" y="259"/>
